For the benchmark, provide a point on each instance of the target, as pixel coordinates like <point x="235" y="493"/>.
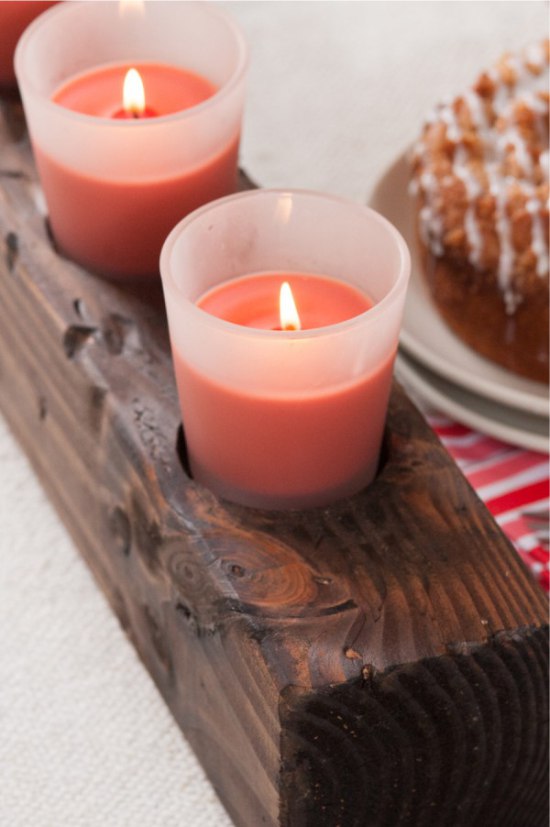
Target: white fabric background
<point x="337" y="90"/>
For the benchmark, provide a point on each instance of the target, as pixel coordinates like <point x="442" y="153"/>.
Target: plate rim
<point x="510" y="397"/>
<point x="450" y="406"/>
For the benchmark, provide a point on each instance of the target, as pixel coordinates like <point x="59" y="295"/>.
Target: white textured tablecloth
<point x="337" y="90"/>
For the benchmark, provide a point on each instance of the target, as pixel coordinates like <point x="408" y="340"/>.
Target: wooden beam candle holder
<point x="378" y="662"/>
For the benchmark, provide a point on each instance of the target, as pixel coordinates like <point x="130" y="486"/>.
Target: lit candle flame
<point x="288" y="313"/>
<point x="133" y="94"/>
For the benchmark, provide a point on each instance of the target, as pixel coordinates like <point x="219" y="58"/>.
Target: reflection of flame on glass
<point x="283" y="208"/>
<point x="133" y="94"/>
<point x="288" y="313"/>
<point x="131" y="8"/>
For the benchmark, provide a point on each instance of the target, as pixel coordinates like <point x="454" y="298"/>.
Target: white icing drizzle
<point x="544" y="162"/>
<point x="448" y="116"/>
<point x="539" y="107"/>
<point x="538" y="241"/>
<point x="526" y="84"/>
<point x="477" y="112"/>
<point x="512" y="137"/>
<point x="501" y="94"/>
<point x="431" y="224"/>
<point x="498" y="187"/>
<point x="474" y="237"/>
<point x="473" y="189"/>
<point x="463" y="172"/>
<point x="532" y="100"/>
<point x="534" y="54"/>
<point x="495" y="148"/>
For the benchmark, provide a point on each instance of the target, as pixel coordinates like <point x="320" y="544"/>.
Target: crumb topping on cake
<point x="480" y="173"/>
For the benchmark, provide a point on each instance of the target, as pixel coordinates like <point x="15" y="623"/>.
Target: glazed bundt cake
<point x="480" y="180"/>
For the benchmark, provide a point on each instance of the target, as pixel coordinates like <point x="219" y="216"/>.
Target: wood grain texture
<point x="378" y="662"/>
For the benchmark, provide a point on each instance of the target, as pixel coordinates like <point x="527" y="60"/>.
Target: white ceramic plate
<point x="426" y="337"/>
<point x="485" y="415"/>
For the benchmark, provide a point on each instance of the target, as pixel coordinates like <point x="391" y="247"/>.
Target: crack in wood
<point x="121" y="530"/>
<point x="80" y="308"/>
<point x="115" y="330"/>
<point x="14" y="174"/>
<point x="150" y="433"/>
<point x="75" y="338"/>
<point x="12" y="250"/>
<point x="42" y="408"/>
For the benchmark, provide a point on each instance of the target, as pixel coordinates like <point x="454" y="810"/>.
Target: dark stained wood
<point x="379" y="662"/>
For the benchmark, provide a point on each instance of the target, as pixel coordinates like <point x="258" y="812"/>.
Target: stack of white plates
<point x="443" y="372"/>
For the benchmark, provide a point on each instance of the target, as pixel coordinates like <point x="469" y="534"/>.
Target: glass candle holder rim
<point x="233" y="328"/>
<point x="134" y="123"/>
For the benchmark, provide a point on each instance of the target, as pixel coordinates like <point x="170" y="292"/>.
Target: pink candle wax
<point x="310" y="445"/>
<point x="15" y="16"/>
<point x="168" y="89"/>
<point x="117" y="227"/>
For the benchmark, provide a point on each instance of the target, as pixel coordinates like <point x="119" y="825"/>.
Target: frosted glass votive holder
<point x="284" y="418"/>
<point x="115" y="186"/>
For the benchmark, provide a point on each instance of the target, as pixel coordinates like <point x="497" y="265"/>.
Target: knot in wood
<point x="191" y="581"/>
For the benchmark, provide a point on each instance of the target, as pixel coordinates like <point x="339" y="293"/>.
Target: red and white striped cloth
<point x="512" y="482"/>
